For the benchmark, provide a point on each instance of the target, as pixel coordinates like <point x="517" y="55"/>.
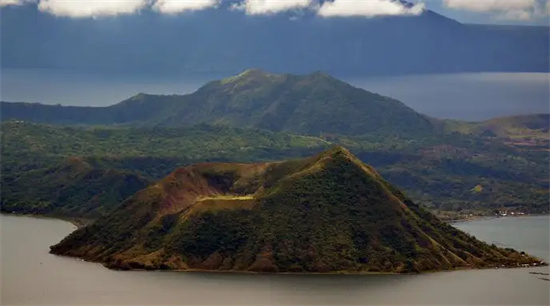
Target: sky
<point x="527" y="12"/>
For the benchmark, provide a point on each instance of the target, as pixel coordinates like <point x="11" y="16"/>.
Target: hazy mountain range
<point x="230" y="41"/>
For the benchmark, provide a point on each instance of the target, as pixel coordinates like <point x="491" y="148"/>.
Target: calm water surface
<point x="466" y="96"/>
<point x="31" y="276"/>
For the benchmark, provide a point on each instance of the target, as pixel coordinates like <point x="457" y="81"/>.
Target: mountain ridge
<point x="256" y="98"/>
<point x="222" y="41"/>
<point x="253" y="99"/>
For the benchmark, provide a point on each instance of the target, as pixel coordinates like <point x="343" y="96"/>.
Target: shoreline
<point x="77" y="222"/>
<point x="81" y="222"/>
<point x="542" y="264"/>
<point x="337" y="272"/>
<point x="539" y="263"/>
<point x="483" y="218"/>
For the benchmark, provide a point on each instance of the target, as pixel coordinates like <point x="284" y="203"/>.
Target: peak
<point x="138" y="96"/>
<point x="252" y="71"/>
<point x="135" y="99"/>
<point x="337" y="151"/>
<point x="256" y="74"/>
<point x="320" y="74"/>
<point x="321" y="77"/>
<point x="338" y="154"/>
<point x="248" y="75"/>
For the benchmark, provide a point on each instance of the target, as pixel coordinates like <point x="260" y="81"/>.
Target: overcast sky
<point x="468" y="11"/>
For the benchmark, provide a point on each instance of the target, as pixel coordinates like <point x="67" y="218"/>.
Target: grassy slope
<point x="325" y="213"/>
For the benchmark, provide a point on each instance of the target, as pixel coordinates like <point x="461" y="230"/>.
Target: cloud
<point x="490" y="5"/>
<point x="515" y="15"/>
<point x="267" y="7"/>
<point x="178" y="6"/>
<point x="368" y="8"/>
<point x="13" y="2"/>
<point x="93" y="8"/>
<point x="508" y="9"/>
<point x="502" y="9"/>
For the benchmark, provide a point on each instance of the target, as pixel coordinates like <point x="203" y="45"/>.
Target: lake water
<point x="466" y="96"/>
<point x="31" y="276"/>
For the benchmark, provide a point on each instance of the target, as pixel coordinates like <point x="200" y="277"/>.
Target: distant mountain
<point x="326" y="213"/>
<point x="308" y="104"/>
<point x="229" y="41"/>
<point x="513" y="125"/>
<point x="523" y="131"/>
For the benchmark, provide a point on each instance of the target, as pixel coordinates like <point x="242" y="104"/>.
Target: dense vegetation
<point x="445" y="172"/>
<point x="446" y="165"/>
<point x="326" y="213"/>
<point x="71" y="171"/>
<point x="70" y="189"/>
<point x="309" y="104"/>
<point x="461" y="172"/>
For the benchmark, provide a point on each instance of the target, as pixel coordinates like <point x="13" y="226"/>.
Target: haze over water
<point x="31" y="276"/>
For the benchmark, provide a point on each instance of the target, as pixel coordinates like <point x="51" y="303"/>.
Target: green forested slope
<point x="307" y="104"/>
<point x="326" y="213"/>
<point x="76" y="172"/>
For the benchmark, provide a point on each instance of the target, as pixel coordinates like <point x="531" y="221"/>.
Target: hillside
<point x="306" y="104"/>
<point x="523" y="131"/>
<point x="71" y="189"/>
<point x="516" y="126"/>
<point x="78" y="172"/>
<point x="228" y="41"/>
<point x="326" y="213"/>
<point x="315" y="104"/>
<point x="459" y="173"/>
<point x="530" y="122"/>
<point x="501" y="126"/>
